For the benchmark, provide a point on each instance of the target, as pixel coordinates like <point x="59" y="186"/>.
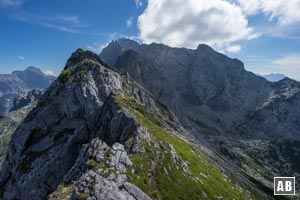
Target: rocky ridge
<point x="96" y="133"/>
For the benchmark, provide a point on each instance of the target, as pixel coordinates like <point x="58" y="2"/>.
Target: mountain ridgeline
<point x="209" y="92"/>
<point x="245" y="119"/>
<point x="97" y="134"/>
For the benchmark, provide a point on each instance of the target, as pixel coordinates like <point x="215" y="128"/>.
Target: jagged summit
<point x="202" y="80"/>
<point x="80" y="55"/>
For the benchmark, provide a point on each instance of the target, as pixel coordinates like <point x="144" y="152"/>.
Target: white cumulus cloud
<point x="21" y="57"/>
<point x="286" y="11"/>
<point x="187" y="23"/>
<point x="234" y="48"/>
<point x="50" y="73"/>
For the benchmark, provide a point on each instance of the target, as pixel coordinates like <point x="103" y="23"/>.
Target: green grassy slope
<point x="189" y="176"/>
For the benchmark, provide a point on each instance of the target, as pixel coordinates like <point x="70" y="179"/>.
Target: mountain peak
<point x="79" y="55"/>
<point x="30" y="69"/>
<point x="33" y="69"/>
<point x="127" y="42"/>
<point x="204" y="47"/>
<point x="287" y="80"/>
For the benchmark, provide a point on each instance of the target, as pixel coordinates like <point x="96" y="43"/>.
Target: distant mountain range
<point x="274" y="77"/>
<point x="21" y="82"/>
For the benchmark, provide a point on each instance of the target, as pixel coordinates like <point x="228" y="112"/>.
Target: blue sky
<point x="264" y="34"/>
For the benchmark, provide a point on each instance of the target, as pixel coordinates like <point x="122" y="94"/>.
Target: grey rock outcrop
<point x="110" y="181"/>
<point x="50" y="147"/>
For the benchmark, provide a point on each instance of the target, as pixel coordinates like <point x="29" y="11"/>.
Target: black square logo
<point x="284" y="185"/>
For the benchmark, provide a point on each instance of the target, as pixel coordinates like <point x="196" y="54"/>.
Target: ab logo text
<point x="284" y="185"/>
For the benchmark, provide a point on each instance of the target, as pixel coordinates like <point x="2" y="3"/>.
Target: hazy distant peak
<point x="274" y="77"/>
<point x="33" y="69"/>
<point x="288" y="81"/>
<point x="29" y="69"/>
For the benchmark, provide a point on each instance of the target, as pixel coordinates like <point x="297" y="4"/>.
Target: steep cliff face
<point x="96" y="133"/>
<point x="19" y="83"/>
<point x="210" y="93"/>
<point x="205" y="89"/>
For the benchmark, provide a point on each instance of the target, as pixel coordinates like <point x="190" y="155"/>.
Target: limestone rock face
<point x="210" y="93"/>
